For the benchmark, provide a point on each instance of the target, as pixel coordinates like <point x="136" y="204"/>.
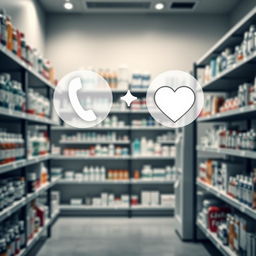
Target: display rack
<point x="128" y="186"/>
<point x="225" y="250"/>
<point x="228" y="81"/>
<point x="13" y="120"/>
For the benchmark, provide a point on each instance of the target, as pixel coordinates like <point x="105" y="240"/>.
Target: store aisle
<point x="117" y="237"/>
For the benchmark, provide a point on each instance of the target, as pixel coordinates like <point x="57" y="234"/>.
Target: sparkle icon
<point x="128" y="98"/>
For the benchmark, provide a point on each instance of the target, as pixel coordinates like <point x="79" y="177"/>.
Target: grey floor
<point x="117" y="237"/>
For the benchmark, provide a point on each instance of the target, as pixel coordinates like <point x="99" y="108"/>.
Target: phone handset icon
<point x="73" y="87"/>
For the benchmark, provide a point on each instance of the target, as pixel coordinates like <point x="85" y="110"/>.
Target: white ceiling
<point x="202" y="6"/>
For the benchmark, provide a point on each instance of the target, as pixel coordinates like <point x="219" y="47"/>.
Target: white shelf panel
<point x="125" y="128"/>
<point x="12" y="208"/>
<point x="239" y="70"/>
<point x="21" y="115"/>
<point x="152" y="158"/>
<point x="38" y="235"/>
<point x="61" y="157"/>
<point x="24" y="65"/>
<point x="142" y="181"/>
<point x="229" y="37"/>
<point x="225" y="250"/>
<point x="103" y="208"/>
<point x="241" y="113"/>
<point x="150" y="128"/>
<point x="116" y="182"/>
<point x="230" y="152"/>
<point x="63" y="128"/>
<point x="19" y="204"/>
<point x="228" y="199"/>
<point x="22" y="163"/>
<point x="95" y="142"/>
<point x="111" y="182"/>
<point x="92" y="208"/>
<point x="153" y="208"/>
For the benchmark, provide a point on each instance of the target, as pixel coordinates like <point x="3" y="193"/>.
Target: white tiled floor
<point x="117" y="237"/>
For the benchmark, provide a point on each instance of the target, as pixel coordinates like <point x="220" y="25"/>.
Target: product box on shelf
<point x="76" y="201"/>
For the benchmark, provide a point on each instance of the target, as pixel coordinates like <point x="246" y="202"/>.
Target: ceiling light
<point x="68" y="5"/>
<point x="159" y="6"/>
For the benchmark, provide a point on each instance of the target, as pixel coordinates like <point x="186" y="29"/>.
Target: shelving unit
<point x="117" y="182"/>
<point x="228" y="81"/>
<point x="29" y="78"/>
<point x="229" y="152"/>
<point x="228" y="199"/>
<point x="112" y="162"/>
<point x="225" y="250"/>
<point x="40" y="234"/>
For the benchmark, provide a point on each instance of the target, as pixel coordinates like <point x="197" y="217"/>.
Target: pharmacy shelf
<point x="103" y="208"/>
<point x="139" y="112"/>
<point x="10" y="60"/>
<point x="133" y="128"/>
<point x="152" y="208"/>
<point x="22" y="163"/>
<point x="41" y="190"/>
<point x="138" y="90"/>
<point x="115" y="182"/>
<point x="225" y="250"/>
<point x="67" y="207"/>
<point x="21" y="115"/>
<point x="110" y="158"/>
<point x="150" y="128"/>
<point x="152" y="158"/>
<point x="8" y="211"/>
<point x="116" y="111"/>
<point x="103" y="182"/>
<point x="172" y="142"/>
<point x="231" y="38"/>
<point x="243" y="69"/>
<point x="64" y="128"/>
<point x="228" y="199"/>
<point x="131" y="90"/>
<point x="243" y="113"/>
<point x="128" y="111"/>
<point x="25" y="200"/>
<point x="31" y="243"/>
<point x="229" y="152"/>
<point x="144" y="181"/>
<point x="118" y="142"/>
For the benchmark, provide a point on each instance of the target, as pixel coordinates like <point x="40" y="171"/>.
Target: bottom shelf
<point x="31" y="243"/>
<point x="225" y="250"/>
<point x="133" y="207"/>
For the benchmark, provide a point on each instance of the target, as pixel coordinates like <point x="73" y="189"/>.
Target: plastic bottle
<point x="3" y="30"/>
<point x="9" y="28"/>
<point x="136" y="147"/>
<point x="251" y="43"/>
<point x="14" y="41"/>
<point x="144" y="146"/>
<point x="3" y="247"/>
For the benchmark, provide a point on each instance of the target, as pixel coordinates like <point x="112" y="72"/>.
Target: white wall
<point x="143" y="42"/>
<point x="27" y="16"/>
<point x="241" y="10"/>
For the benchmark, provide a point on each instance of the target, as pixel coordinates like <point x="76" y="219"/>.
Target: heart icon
<point x="174" y="103"/>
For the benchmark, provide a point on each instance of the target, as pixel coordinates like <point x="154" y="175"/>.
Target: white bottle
<point x="86" y="173"/>
<point x="143" y="146"/>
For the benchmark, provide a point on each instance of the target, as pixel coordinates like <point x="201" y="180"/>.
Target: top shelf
<point x="231" y="38"/>
<point x="10" y="62"/>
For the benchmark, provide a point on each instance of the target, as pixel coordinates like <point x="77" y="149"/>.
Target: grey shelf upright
<point x="28" y="77"/>
<point x="228" y="81"/>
